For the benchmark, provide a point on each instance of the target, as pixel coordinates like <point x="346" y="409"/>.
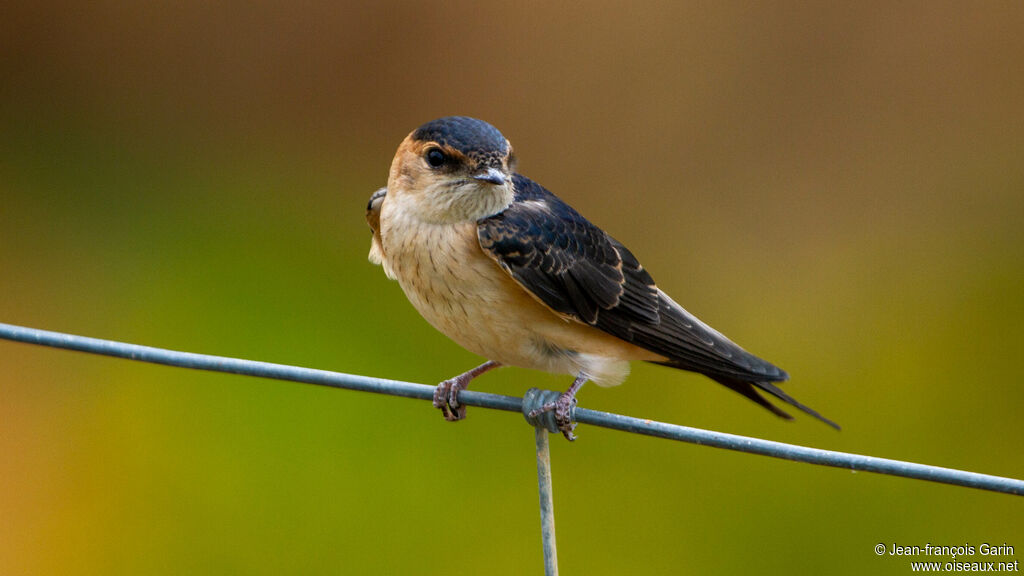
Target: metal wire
<point x="513" y="404"/>
<point x="547" y="507"/>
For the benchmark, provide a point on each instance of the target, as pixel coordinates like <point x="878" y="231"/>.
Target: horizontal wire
<point x="746" y="444"/>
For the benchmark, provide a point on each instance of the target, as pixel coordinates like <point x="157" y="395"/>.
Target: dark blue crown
<point x="472" y="137"/>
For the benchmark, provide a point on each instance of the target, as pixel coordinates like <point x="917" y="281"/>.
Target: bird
<point x="509" y="271"/>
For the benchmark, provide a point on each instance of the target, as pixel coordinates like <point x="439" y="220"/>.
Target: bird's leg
<point x="563" y="406"/>
<point x="446" y="395"/>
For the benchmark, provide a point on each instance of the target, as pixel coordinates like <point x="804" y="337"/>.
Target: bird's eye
<point x="436" y="158"/>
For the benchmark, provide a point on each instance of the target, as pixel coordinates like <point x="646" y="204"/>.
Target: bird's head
<point x="453" y="169"/>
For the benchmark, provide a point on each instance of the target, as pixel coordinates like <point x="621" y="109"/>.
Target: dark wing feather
<point x="576" y="269"/>
<point x="568" y="263"/>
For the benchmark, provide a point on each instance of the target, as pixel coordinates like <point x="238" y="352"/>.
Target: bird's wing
<point x="577" y="270"/>
<point x="373" y="219"/>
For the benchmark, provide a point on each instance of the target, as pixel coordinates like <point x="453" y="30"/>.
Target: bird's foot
<point x="446" y="394"/>
<point x="446" y="397"/>
<point x="562" y="408"/>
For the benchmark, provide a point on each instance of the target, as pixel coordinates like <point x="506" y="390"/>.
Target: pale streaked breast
<point x="465" y="295"/>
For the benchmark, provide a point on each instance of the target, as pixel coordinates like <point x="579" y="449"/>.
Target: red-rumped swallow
<point x="510" y="272"/>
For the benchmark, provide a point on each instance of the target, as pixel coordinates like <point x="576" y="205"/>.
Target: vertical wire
<point x="547" y="511"/>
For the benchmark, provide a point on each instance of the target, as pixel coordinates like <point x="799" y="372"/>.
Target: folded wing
<point x="580" y="272"/>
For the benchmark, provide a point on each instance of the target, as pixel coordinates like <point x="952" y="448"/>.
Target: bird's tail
<point x="750" y="390"/>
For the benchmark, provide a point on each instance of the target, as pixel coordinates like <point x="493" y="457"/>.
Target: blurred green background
<point x="838" y="187"/>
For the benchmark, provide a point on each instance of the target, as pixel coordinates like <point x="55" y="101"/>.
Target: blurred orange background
<point x="839" y="188"/>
